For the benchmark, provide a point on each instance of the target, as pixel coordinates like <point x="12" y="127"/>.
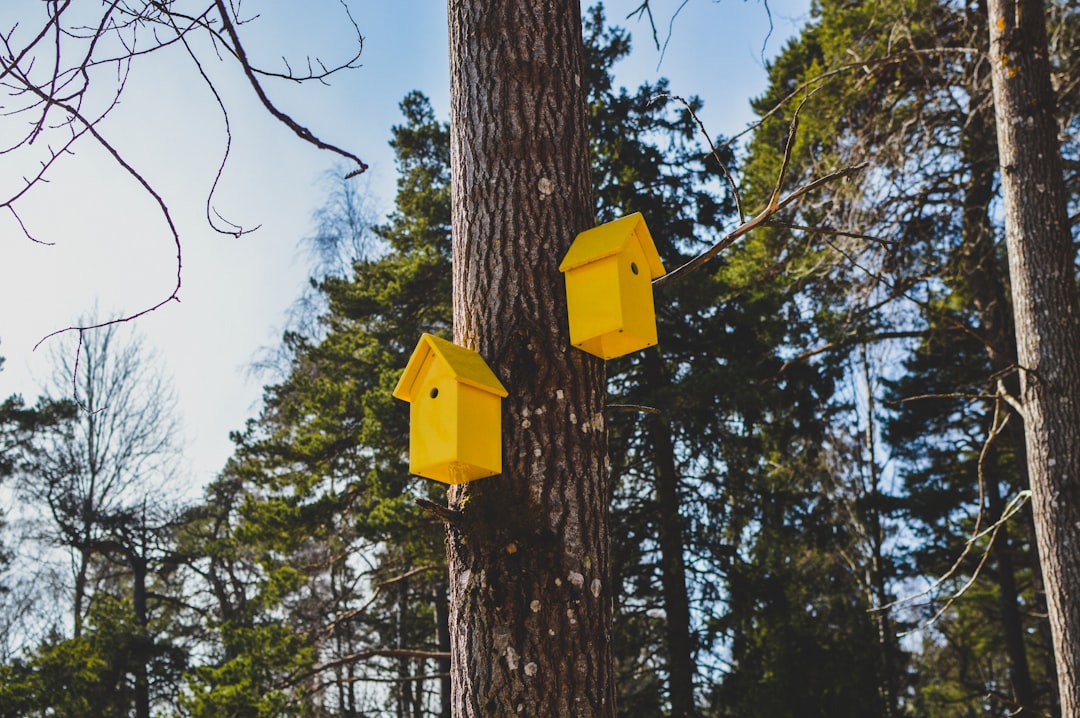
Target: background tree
<point x="19" y="424"/>
<point x="928" y="265"/>
<point x="1042" y="271"/>
<point x="364" y="588"/>
<point x="103" y="481"/>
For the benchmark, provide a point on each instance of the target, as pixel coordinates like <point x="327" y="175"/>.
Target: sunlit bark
<point x="530" y="597"/>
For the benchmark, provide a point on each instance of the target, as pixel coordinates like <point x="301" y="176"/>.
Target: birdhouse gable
<point x="464" y="366"/>
<point x="613" y="238"/>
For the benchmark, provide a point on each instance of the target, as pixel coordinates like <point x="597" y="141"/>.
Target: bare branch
<point x="853" y="339"/>
<point x="174" y="295"/>
<point x="977" y="533"/>
<point x="43" y="76"/>
<point x="301" y="131"/>
<point x="410" y="573"/>
<point x="760" y="220"/>
<point x="887" y="244"/>
<point x="713" y="150"/>
<point x="234" y="229"/>
<point x="775" y="202"/>
<point x="633" y="408"/>
<point x="861" y="65"/>
<point x="421" y="654"/>
<point x="444" y="514"/>
<point x="1009" y="399"/>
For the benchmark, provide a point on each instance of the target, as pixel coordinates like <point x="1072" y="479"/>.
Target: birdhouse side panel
<point x="593" y="302"/>
<point x="636" y="297"/>
<point x="479" y="438"/>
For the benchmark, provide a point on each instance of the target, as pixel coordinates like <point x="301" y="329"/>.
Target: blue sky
<point x="113" y="251"/>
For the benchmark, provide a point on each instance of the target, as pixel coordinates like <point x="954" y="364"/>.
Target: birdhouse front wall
<point x="455" y="433"/>
<point x="610" y="303"/>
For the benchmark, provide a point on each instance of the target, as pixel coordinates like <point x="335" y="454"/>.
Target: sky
<point x="111" y="249"/>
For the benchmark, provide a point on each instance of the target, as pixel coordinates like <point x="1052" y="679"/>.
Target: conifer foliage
<point x="818" y="486"/>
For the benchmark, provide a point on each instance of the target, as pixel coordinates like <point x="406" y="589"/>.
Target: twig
<point x="410" y="573"/>
<point x="638" y="408"/>
<point x="236" y="230"/>
<point x="997" y="425"/>
<point x="713" y="150"/>
<point x="298" y="676"/>
<point x="173" y="296"/>
<point x="887" y="244"/>
<point x="863" y="65"/>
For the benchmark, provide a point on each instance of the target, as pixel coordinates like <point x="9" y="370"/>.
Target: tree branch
<point x="745" y="228"/>
<point x="444" y="514"/>
<point x="301" y="131"/>
<point x="419" y="653"/>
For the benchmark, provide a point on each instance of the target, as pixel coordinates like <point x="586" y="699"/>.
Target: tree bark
<point x="983" y="275"/>
<point x="530" y="595"/>
<point x="1046" y="312"/>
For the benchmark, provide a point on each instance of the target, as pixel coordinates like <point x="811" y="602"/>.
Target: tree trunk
<point x="530" y="595"/>
<point x="984" y="278"/>
<point x="141" y="659"/>
<point x="404" y="670"/>
<point x="82" y="570"/>
<point x="442" y="635"/>
<point x="680" y="650"/>
<point x="1046" y="312"/>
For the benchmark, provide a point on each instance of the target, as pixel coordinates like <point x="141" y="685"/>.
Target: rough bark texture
<point x="530" y="595"/>
<point x="1046" y="312"/>
<point x="985" y="281"/>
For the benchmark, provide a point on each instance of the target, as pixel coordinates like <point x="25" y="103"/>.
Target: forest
<point x="819" y="501"/>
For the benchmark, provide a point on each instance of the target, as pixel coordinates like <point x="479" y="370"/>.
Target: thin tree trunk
<point x="82" y="571"/>
<point x="1012" y="625"/>
<point x="142" y="622"/>
<point x="888" y="685"/>
<point x="680" y="657"/>
<point x="442" y="634"/>
<point x="1046" y="312"/>
<point x="983" y="275"/>
<point x="530" y="595"/>
<point x="404" y="686"/>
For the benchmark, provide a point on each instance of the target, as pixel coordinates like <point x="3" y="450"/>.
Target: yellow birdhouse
<point x="455" y="413"/>
<point x="609" y="271"/>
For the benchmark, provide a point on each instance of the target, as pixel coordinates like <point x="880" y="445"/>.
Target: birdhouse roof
<point x="467" y="366"/>
<point x="611" y="238"/>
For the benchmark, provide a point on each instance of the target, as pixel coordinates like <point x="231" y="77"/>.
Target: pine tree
<point x="899" y="85"/>
<point x="319" y="481"/>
